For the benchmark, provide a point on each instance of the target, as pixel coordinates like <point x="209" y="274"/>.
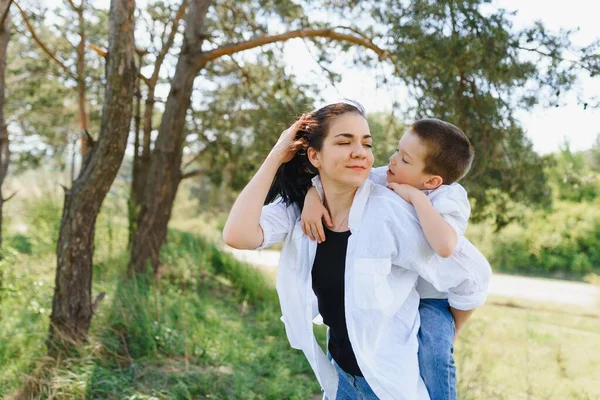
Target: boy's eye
<point x="404" y="161"/>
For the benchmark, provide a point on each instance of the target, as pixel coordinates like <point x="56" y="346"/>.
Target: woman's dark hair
<point x="293" y="179"/>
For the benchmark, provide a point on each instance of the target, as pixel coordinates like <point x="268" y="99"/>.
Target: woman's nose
<point x="359" y="151"/>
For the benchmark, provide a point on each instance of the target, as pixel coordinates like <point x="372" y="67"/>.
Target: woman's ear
<point x="313" y="157"/>
<point x="433" y="182"/>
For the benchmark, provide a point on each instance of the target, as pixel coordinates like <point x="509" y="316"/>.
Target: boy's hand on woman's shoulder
<point x="407" y="192"/>
<point x="313" y="215"/>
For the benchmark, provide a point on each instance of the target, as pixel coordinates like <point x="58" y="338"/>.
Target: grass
<point x="209" y="328"/>
<point x="196" y="334"/>
<point x="512" y="349"/>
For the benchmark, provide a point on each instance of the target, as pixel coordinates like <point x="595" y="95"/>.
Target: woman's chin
<point x="356" y="179"/>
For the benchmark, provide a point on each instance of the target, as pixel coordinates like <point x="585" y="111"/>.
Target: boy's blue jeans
<point x="436" y="338"/>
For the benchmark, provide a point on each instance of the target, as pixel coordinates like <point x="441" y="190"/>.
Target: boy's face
<point x="408" y="162"/>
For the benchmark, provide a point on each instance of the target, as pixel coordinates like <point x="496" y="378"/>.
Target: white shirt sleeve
<point x="452" y="203"/>
<point x="276" y="222"/>
<point x="464" y="275"/>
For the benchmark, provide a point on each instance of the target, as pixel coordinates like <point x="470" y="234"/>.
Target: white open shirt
<point x="386" y="253"/>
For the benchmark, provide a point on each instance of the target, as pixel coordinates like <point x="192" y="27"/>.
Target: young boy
<point x="431" y="157"/>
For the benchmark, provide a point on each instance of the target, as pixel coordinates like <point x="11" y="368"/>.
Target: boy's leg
<point x="436" y="337"/>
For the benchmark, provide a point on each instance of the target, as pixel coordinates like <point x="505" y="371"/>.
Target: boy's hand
<point x="313" y="215"/>
<point x="407" y="192"/>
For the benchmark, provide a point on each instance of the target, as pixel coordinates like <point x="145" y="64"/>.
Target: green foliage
<point x="20" y="243"/>
<point x="386" y="131"/>
<point x="565" y="242"/>
<point x="25" y="299"/>
<point x="593" y="155"/>
<point x="42" y="217"/>
<point x="42" y="102"/>
<point x="572" y="176"/>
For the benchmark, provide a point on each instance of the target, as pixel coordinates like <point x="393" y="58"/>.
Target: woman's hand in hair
<point x="287" y="145"/>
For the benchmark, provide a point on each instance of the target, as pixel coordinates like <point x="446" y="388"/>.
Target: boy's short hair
<point x="449" y="152"/>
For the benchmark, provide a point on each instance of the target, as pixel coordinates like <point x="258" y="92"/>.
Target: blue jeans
<point x="436" y="338"/>
<point x="351" y="387"/>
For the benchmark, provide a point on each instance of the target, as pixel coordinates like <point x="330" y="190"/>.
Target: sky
<point x="547" y="128"/>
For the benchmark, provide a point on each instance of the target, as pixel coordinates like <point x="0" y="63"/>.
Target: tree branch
<point x="232" y="48"/>
<point x="330" y="74"/>
<point x="167" y="45"/>
<point x="191" y="174"/>
<point x="42" y="45"/>
<point x="73" y="6"/>
<point x="5" y="13"/>
<point x="10" y="197"/>
<point x="197" y="156"/>
<point x="540" y="52"/>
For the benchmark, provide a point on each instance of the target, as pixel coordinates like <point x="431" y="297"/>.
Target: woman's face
<point x="345" y="157"/>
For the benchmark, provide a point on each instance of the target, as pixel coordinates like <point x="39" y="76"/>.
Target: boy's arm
<point x="312" y="214"/>
<point x="440" y="234"/>
<point x="460" y="318"/>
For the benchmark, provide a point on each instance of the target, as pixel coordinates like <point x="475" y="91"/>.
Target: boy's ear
<point x="433" y="182"/>
<point x="313" y="157"/>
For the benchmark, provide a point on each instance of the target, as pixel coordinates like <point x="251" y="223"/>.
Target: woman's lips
<point x="357" y="168"/>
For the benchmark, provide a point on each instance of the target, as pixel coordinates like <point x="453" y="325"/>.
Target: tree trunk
<point x="132" y="202"/>
<point x="164" y="174"/>
<point x="83" y="118"/>
<point x="4" y="143"/>
<point x="141" y="164"/>
<point x="72" y="302"/>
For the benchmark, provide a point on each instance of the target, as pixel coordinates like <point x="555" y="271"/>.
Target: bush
<point x="565" y="242"/>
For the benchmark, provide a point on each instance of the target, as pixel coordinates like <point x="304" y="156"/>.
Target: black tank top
<point x="328" y="285"/>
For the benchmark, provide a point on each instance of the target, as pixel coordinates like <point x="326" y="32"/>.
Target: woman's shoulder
<point x="385" y="203"/>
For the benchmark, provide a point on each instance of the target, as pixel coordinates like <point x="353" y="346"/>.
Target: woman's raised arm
<point x="242" y="229"/>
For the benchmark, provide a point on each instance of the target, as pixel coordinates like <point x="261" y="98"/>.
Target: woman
<point x="363" y="285"/>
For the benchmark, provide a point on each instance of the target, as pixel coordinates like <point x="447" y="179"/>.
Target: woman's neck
<point x="338" y="201"/>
